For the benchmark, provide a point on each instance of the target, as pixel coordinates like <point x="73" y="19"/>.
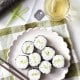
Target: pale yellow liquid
<point x="57" y="9"/>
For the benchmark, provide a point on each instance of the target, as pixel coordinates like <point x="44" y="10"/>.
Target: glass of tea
<point x="57" y="9"/>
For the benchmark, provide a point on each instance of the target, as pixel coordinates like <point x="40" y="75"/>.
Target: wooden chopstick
<point x="11" y="66"/>
<point x="12" y="72"/>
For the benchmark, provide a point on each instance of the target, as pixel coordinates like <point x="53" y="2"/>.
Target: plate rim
<point x="50" y="29"/>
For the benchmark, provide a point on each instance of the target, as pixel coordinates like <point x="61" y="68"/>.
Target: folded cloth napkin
<point x="9" y="34"/>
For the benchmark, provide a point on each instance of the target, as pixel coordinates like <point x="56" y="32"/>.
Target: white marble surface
<point x="73" y="26"/>
<point x="18" y="21"/>
<point x="74" y="30"/>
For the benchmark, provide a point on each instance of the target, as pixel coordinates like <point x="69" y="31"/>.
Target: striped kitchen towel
<point x="9" y="34"/>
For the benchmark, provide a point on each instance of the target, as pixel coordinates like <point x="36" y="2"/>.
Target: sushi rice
<point x="34" y="59"/>
<point x="21" y="62"/>
<point x="40" y="42"/>
<point x="34" y="74"/>
<point x="58" y="61"/>
<point x="45" y="67"/>
<point x="28" y="47"/>
<point x="48" y="53"/>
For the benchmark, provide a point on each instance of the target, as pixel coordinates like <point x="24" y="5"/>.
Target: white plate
<point x="54" y="40"/>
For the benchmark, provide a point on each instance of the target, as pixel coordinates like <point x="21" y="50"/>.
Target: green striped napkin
<point x="9" y="34"/>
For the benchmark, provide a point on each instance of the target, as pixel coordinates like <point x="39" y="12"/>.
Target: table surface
<point x="73" y="26"/>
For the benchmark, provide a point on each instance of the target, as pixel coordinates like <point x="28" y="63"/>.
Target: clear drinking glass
<point x="57" y="9"/>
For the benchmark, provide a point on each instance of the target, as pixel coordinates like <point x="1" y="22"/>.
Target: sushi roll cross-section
<point x="40" y="42"/>
<point x="34" y="74"/>
<point x="48" y="53"/>
<point x="28" y="47"/>
<point x="21" y="62"/>
<point x="58" y="61"/>
<point x="34" y="59"/>
<point x="45" y="67"/>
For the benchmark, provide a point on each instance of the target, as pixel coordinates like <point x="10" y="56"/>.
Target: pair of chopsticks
<point x="13" y="70"/>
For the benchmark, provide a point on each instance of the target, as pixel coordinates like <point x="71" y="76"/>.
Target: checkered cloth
<point x="9" y="34"/>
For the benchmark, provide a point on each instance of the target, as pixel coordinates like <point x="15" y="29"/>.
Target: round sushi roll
<point x="34" y="74"/>
<point x="34" y="59"/>
<point x="28" y="47"/>
<point x="40" y="42"/>
<point x="58" y="61"/>
<point x="45" y="67"/>
<point x="21" y="62"/>
<point x="48" y="53"/>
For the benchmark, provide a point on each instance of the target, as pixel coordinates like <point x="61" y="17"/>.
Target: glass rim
<point x="58" y="18"/>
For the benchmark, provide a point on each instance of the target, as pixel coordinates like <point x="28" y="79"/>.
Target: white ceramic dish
<point x="54" y="40"/>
